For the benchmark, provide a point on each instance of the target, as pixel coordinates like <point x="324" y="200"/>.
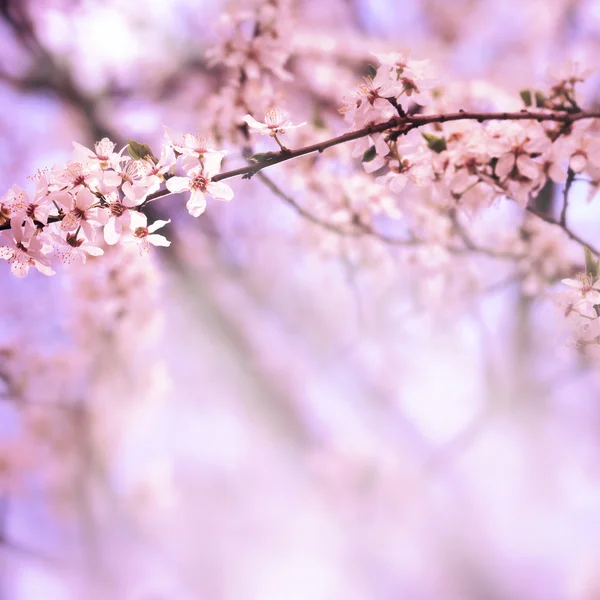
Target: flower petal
<point x="219" y="191"/>
<point x="177" y="185"/>
<point x="196" y="205"/>
<point x="112" y="231"/>
<point x="158" y="240"/>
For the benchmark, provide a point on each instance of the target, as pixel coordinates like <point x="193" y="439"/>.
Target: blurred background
<point x="269" y="409"/>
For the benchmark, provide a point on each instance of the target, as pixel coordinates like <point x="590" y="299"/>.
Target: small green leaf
<point x="591" y="264"/>
<point x="435" y="143"/>
<point x="526" y="97"/>
<point x="371" y="71"/>
<point x="369" y="155"/>
<point x="138" y="151"/>
<point x="540" y="99"/>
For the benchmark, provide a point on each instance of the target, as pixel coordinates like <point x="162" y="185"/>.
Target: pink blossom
<point x="119" y="210"/>
<point x="72" y="247"/>
<point x="85" y="213"/>
<point x="143" y="234"/>
<point x="274" y="123"/>
<point x="199" y="182"/>
<point x="22" y="248"/>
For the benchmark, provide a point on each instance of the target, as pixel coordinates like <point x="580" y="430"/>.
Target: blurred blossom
<point x="315" y="390"/>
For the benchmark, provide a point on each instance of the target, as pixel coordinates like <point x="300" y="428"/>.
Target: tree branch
<point x="402" y="125"/>
<point x="565" y="206"/>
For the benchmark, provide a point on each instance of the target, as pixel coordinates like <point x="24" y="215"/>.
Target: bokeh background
<point x="267" y="410"/>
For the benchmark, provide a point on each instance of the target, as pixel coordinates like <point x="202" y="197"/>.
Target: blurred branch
<point x="565" y="206"/>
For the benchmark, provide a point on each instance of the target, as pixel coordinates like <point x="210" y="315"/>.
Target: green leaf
<point x="369" y="155"/>
<point x="435" y="143"/>
<point x="591" y="264"/>
<point x="138" y="151"/>
<point x="540" y="99"/>
<point x="371" y="71"/>
<point x="526" y="97"/>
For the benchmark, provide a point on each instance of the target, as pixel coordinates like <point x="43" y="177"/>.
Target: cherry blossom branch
<point x="407" y="123"/>
<point x="207" y="175"/>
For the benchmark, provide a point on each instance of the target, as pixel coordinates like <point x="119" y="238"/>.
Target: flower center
<point x="73" y="241"/>
<point x="199" y="182"/>
<point x="78" y="213"/>
<point x="117" y="208"/>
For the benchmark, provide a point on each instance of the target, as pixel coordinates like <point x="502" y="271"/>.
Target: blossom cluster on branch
<point x="403" y="130"/>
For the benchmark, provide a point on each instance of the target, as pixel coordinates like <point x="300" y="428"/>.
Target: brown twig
<point x="565" y="206"/>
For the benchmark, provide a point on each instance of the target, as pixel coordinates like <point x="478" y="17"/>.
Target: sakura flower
<point x="131" y="177"/>
<point x="143" y="234"/>
<point x="274" y="123"/>
<point x="102" y="158"/>
<point x="585" y="154"/>
<point x="75" y="175"/>
<point x="188" y="144"/>
<point x="73" y="247"/>
<point x="154" y="173"/>
<point x="254" y="56"/>
<point x="554" y="161"/>
<point x="517" y="161"/>
<point x="368" y="104"/>
<point x="20" y="205"/>
<point x="586" y="295"/>
<point x="413" y="167"/>
<point x="22" y="248"/>
<point x="83" y="213"/>
<point x="119" y="210"/>
<point x="399" y="76"/>
<point x="199" y="182"/>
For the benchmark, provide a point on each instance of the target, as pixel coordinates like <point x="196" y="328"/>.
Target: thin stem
<point x="565" y="206"/>
<point x="568" y="231"/>
<point x="404" y="125"/>
<point x="283" y="148"/>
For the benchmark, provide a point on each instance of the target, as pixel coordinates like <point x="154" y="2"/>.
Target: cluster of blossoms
<point x="463" y="163"/>
<point x="254" y="47"/>
<point x="466" y="160"/>
<point x="102" y="189"/>
<point x="250" y="39"/>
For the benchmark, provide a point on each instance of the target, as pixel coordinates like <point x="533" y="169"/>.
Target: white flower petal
<point x="254" y="124"/>
<point x="196" y="205"/>
<point x="157" y="225"/>
<point x="112" y="231"/>
<point x="177" y="185"/>
<point x="158" y="240"/>
<point x="219" y="191"/>
<point x="212" y="163"/>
